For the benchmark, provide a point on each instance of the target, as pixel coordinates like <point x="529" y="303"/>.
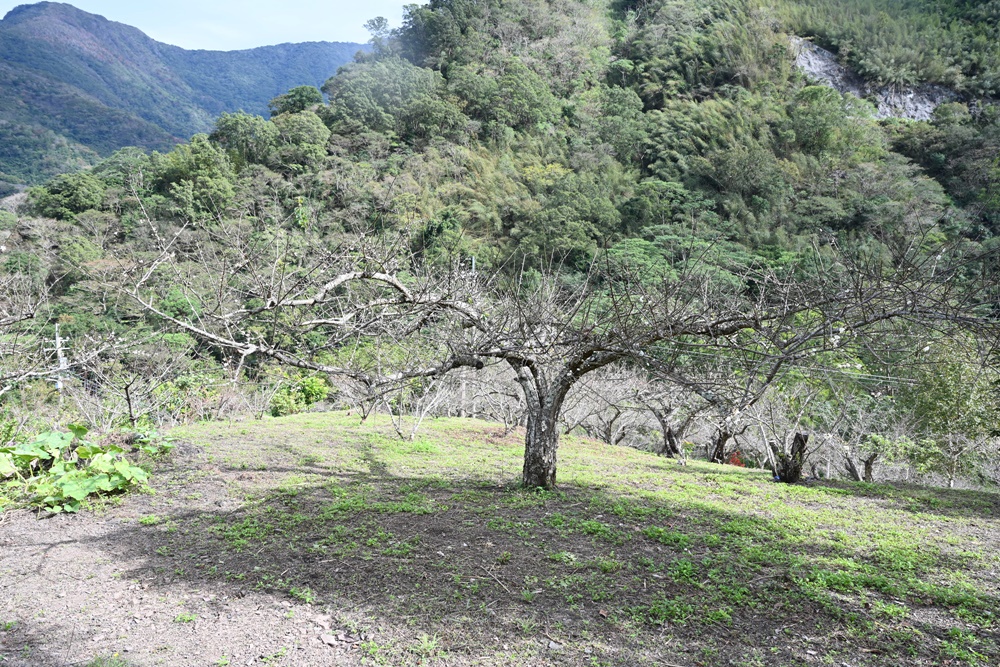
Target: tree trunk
<point x="719" y="446"/>
<point x="870" y="467"/>
<point x="789" y="468"/>
<point x="543" y="403"/>
<point x="852" y="469"/>
<point x="671" y="447"/>
<point x="541" y="440"/>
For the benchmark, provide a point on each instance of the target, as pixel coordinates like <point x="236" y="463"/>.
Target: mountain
<point x="77" y="86"/>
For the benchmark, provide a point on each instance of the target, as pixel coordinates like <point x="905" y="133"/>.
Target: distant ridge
<point x="76" y="86"/>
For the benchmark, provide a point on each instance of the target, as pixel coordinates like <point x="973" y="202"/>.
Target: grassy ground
<point x="701" y="562"/>
<point x="425" y="552"/>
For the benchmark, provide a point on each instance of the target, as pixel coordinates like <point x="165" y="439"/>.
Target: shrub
<point x="306" y="391"/>
<point x="60" y="470"/>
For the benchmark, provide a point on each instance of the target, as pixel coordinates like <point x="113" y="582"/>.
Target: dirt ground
<point x="78" y="589"/>
<point x="284" y="544"/>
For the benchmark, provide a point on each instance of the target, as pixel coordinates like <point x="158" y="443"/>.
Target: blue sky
<point x="242" y="24"/>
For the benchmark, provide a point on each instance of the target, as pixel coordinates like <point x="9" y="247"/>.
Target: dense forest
<point x="634" y="220"/>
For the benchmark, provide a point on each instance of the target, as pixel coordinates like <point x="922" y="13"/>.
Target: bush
<point x="297" y="397"/>
<point x="7" y="220"/>
<point x="58" y="471"/>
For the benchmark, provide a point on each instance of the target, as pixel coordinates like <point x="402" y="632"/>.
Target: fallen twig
<point x="502" y="585"/>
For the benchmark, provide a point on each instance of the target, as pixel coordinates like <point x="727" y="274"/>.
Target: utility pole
<point x="63" y="362"/>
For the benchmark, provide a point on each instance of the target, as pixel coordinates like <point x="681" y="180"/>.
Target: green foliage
<point x="58" y="471"/>
<point x="959" y="149"/>
<point x="248" y="139"/>
<point x="74" y="254"/>
<point x="30" y="153"/>
<point x="956" y="407"/>
<point x="67" y="195"/>
<point x="109" y="661"/>
<point x="7" y="221"/>
<point x="26" y="263"/>
<point x="302" y="139"/>
<point x="198" y="177"/>
<point x="296" y="100"/>
<point x="377" y="95"/>
<point x="508" y="96"/>
<point x="904" y="43"/>
<point x="667" y="610"/>
<point x="298" y="396"/>
<point x="825" y="122"/>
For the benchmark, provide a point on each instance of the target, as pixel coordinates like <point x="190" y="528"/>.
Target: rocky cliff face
<point x="916" y="103"/>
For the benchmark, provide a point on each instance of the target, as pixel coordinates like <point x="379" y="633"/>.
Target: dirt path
<point x="74" y="593"/>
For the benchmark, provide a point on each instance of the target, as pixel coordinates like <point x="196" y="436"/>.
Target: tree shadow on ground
<point x="477" y="565"/>
<point x="28" y="644"/>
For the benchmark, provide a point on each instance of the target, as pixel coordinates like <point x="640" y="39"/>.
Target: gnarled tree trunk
<point x="671" y="446"/>
<point x="870" y="467"/>
<point x="541" y="441"/>
<point x="869" y="464"/>
<point x="789" y="466"/>
<point x="544" y="400"/>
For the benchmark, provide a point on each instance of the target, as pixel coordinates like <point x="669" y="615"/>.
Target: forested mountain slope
<point x="906" y="42"/>
<point x="77" y="86"/>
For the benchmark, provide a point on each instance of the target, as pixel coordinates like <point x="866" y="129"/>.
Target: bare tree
<point x="606" y="406"/>
<point x="304" y="302"/>
<point x="783" y="418"/>
<point x="22" y="354"/>
<point x="131" y="386"/>
<point x="675" y="410"/>
<point x="31" y="351"/>
<point x="497" y="397"/>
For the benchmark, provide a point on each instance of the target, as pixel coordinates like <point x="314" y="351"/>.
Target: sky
<point x="226" y="25"/>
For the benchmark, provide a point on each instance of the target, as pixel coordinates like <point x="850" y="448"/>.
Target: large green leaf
<point x="112" y="482"/>
<point x="77" y="488"/>
<point x="32" y="450"/>
<point x="54" y="441"/>
<point x="7" y="467"/>
<point x="130" y="472"/>
<point x="88" y="451"/>
<point x="103" y="463"/>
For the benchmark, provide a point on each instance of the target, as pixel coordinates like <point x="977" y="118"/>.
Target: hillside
<point x="610" y="217"/>
<point x="77" y="86"/>
<point x="561" y="332"/>
<point x="318" y="540"/>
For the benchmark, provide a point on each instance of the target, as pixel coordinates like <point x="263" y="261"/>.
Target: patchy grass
<point x="112" y="661"/>
<point x="633" y="560"/>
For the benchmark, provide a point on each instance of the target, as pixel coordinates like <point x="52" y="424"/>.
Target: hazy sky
<point x="242" y="24"/>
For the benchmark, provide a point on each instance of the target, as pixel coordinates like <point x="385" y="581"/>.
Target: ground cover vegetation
<point x="264" y="536"/>
<point x="635" y="222"/>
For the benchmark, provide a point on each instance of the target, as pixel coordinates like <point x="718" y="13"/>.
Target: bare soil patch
<point x="314" y="540"/>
